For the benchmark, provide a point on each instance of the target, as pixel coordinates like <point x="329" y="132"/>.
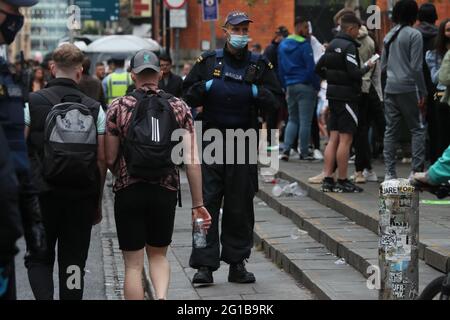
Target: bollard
<point x="398" y="252"/>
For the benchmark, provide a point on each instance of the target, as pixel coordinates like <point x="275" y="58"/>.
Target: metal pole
<point x="71" y="31"/>
<point x="177" y="50"/>
<point x="398" y="252"/>
<point x="168" y="39"/>
<point x="212" y="28"/>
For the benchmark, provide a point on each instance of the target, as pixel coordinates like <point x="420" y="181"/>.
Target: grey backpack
<point x="70" y="143"/>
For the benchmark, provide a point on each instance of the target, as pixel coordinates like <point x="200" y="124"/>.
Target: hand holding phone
<point x="371" y="62"/>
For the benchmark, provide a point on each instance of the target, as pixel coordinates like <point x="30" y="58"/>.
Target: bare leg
<point x="159" y="270"/>
<point x="330" y="153"/>
<point x="343" y="153"/>
<point x="134" y="264"/>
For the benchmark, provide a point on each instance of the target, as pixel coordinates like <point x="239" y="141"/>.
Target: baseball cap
<point x="22" y="3"/>
<point x="144" y="59"/>
<point x="237" y="17"/>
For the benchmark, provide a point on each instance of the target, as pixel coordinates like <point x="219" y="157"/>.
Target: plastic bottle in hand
<point x="199" y="234"/>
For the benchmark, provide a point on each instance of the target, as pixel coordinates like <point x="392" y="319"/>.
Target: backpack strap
<point x="165" y="95"/>
<point x="50" y="96"/>
<point x="387" y="45"/>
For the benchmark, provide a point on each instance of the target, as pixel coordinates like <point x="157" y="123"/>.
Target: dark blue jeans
<point x="301" y="105"/>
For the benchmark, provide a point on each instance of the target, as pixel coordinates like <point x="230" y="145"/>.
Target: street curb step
<point x="434" y="255"/>
<point x="341" y="236"/>
<point x="308" y="261"/>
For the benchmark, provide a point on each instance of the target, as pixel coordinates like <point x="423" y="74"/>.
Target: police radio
<point x="250" y="75"/>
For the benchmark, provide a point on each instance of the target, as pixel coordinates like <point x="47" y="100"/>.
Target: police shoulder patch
<point x="206" y="55"/>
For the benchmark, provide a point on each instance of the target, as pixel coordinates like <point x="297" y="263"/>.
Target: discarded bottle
<point x="284" y="188"/>
<point x="280" y="188"/>
<point x="296" y="233"/>
<point x="199" y="234"/>
<point x="295" y="190"/>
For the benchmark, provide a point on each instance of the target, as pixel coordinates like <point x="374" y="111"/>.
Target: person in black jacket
<point x="170" y="83"/>
<point x="271" y="53"/>
<point x="68" y="211"/>
<point x="19" y="208"/>
<point x="340" y="66"/>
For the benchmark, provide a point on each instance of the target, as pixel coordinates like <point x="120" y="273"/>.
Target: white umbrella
<point x="122" y="43"/>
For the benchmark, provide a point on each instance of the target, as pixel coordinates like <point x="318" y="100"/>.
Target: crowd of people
<point x="57" y="148"/>
<point x="362" y="109"/>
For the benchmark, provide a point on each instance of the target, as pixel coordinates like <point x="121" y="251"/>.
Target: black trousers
<point x="271" y="117"/>
<point x="68" y="222"/>
<point x="377" y="122"/>
<point x="443" y="124"/>
<point x="433" y="122"/>
<point x="315" y="131"/>
<point x="236" y="186"/>
<point x="362" y="147"/>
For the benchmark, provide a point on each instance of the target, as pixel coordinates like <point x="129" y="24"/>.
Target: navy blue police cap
<point x="22" y="3"/>
<point x="237" y="17"/>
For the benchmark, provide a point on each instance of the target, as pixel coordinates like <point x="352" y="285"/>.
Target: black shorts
<point x="343" y="117"/>
<point x="145" y="215"/>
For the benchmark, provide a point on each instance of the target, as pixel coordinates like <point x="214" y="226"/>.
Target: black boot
<point x="203" y="276"/>
<point x="239" y="274"/>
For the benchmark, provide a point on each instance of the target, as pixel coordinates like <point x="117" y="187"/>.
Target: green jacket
<point x="444" y="77"/>
<point x="440" y="171"/>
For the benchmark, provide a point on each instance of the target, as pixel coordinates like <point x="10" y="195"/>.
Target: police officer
<point x="115" y="85"/>
<point x="20" y="212"/>
<point x="231" y="84"/>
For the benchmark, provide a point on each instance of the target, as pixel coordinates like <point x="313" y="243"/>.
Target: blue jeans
<point x="301" y="104"/>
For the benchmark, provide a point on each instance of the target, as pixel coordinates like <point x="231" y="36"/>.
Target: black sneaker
<point x="345" y="186"/>
<point x="203" y="276"/>
<point x="308" y="157"/>
<point x="327" y="185"/>
<point x="284" y="157"/>
<point x="239" y="274"/>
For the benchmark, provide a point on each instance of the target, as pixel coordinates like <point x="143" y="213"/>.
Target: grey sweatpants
<point x="398" y="106"/>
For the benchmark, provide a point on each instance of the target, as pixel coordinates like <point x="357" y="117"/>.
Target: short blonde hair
<point x="67" y="56"/>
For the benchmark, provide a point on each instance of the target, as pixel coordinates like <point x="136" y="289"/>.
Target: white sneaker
<point x="370" y="175"/>
<point x="406" y="160"/>
<point x="388" y="177"/>
<point x="317" y="154"/>
<point x="352" y="159"/>
<point x="293" y="153"/>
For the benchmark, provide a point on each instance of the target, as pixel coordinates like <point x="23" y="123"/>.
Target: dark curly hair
<point x="405" y="12"/>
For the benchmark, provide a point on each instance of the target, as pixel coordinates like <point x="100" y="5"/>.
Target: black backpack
<point x="70" y="143"/>
<point x="148" y="144"/>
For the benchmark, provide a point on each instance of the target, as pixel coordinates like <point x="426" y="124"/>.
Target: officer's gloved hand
<point x="196" y="94"/>
<point x="31" y="219"/>
<point x="265" y="99"/>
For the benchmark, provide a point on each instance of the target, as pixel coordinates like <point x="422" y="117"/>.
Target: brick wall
<point x="266" y="14"/>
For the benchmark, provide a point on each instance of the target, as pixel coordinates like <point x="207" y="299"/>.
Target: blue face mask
<point x="237" y="41"/>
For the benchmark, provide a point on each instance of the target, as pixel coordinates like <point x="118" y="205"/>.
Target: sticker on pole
<point x="396" y="187"/>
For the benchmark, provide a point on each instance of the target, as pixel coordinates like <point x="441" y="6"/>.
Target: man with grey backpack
<point x="65" y="135"/>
